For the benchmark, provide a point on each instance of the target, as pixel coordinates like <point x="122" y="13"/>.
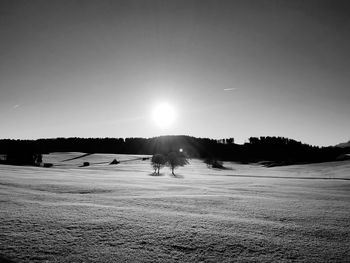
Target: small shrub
<point x="208" y="162"/>
<point x="214" y="163"/>
<point x="217" y="164"/>
<point x="115" y="161"/>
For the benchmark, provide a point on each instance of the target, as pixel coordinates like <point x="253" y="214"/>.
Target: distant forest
<point x="269" y="151"/>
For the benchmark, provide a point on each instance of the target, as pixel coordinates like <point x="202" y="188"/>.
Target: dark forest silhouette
<point x="267" y="150"/>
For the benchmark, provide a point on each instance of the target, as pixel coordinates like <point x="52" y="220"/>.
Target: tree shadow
<point x="223" y="168"/>
<point x="179" y="176"/>
<point x="156" y="175"/>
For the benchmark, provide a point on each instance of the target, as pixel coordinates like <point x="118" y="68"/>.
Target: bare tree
<point x="158" y="161"/>
<point x="176" y="159"/>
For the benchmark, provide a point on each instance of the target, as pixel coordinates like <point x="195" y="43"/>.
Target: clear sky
<point x="228" y="68"/>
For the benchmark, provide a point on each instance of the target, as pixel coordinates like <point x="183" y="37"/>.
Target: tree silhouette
<point x="176" y="159"/>
<point x="158" y="161"/>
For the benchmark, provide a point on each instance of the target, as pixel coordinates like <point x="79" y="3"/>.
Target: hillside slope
<point x="120" y="213"/>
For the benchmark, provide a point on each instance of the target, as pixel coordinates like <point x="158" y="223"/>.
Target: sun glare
<point x="163" y="115"/>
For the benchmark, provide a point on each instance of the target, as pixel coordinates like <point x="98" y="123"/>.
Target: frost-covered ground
<point x="121" y="213"/>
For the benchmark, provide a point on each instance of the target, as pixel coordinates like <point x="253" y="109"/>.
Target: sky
<point x="227" y="68"/>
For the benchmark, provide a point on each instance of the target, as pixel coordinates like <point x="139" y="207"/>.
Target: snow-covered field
<point x="121" y="213"/>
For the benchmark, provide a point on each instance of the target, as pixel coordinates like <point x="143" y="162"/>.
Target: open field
<point x="121" y="213"/>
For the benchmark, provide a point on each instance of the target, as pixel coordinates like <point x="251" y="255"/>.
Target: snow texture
<point x="121" y="213"/>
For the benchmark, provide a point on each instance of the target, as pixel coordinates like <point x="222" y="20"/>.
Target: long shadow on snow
<point x="286" y="177"/>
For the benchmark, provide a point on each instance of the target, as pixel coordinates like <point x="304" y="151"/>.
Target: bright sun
<point x="163" y="115"/>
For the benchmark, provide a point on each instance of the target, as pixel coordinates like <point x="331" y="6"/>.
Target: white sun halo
<point x="163" y="115"/>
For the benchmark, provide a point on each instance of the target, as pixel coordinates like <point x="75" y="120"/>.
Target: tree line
<point x="278" y="150"/>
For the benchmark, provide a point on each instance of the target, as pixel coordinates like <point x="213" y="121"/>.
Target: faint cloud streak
<point x="229" y="89"/>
